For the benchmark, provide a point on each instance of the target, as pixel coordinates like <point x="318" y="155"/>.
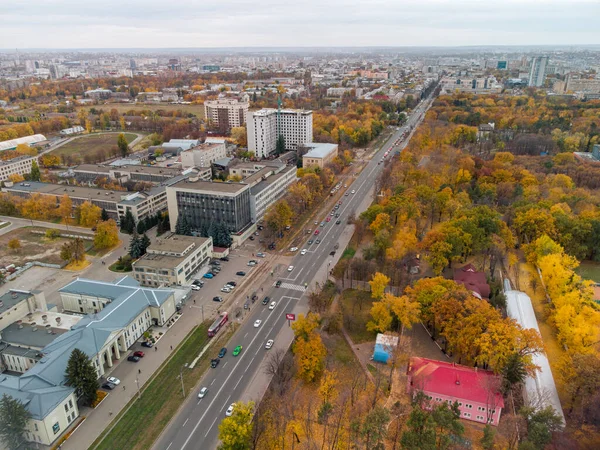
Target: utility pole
<point x="181" y="376"/>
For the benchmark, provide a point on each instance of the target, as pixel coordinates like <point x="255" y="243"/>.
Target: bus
<point x="217" y="324"/>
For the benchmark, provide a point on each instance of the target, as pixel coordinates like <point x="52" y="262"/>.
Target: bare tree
<point x="279" y="365"/>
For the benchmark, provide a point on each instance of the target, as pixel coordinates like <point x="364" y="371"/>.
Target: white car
<point x="226" y="290"/>
<point x="290" y="268"/>
<point x="202" y="392"/>
<point x="257" y="323"/>
<point x="113" y="380"/>
<point x="272" y="305"/>
<point x="294" y="249"/>
<point x="269" y="344"/>
<point x="303" y="252"/>
<point x="230" y="287"/>
<point x="353" y="191"/>
<point x="195" y="287"/>
<point x="345" y="185"/>
<point x="229" y="411"/>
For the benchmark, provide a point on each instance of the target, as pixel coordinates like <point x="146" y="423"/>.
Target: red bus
<point x="217" y="324"/>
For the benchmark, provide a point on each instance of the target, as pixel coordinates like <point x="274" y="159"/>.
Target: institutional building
<point x="20" y="165"/>
<point x="319" y="155"/>
<point x="538" y="70"/>
<point x="172" y="261"/>
<point x="266" y="125"/>
<point x="475" y="390"/>
<point x="227" y="112"/>
<point x="270" y="189"/>
<point x="122" y="174"/>
<point x="203" y="155"/>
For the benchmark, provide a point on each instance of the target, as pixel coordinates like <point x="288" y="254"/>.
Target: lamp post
<point x="137" y="381"/>
<point x="181" y="376"/>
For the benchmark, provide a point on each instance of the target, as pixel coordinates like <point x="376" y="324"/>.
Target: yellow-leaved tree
<point x="107" y="234"/>
<point x="235" y="431"/>
<point x="89" y="214"/>
<point x="378" y="284"/>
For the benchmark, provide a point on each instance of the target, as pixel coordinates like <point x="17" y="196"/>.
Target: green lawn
<point x="90" y="148"/>
<point x="139" y="426"/>
<point x="589" y="270"/>
<point x="123" y="108"/>
<point x="356" y="307"/>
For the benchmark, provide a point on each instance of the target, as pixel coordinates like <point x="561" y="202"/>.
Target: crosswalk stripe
<point x="294" y="287"/>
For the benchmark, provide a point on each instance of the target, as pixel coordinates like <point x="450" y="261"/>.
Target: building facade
<point x="173" y="261"/>
<point x="226" y="112"/>
<point x="264" y="126"/>
<point x="20" y="165"/>
<point x="319" y="155"/>
<point x="203" y="155"/>
<point x="269" y="190"/>
<point x="538" y="70"/>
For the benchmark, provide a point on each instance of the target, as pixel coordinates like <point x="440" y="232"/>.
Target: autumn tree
<point x="309" y="350"/>
<point x="89" y="214"/>
<point x="378" y="284"/>
<point x="106" y="235"/>
<point x="279" y="216"/>
<point x="235" y="431"/>
<point x="15" y="245"/>
<point x="65" y="208"/>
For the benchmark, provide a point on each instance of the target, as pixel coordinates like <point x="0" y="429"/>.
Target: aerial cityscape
<point x="307" y="226"/>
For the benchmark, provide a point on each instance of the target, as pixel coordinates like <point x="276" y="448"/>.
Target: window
<point x="35" y="427"/>
<point x="70" y="403"/>
<point x="55" y="428"/>
<point x="66" y="408"/>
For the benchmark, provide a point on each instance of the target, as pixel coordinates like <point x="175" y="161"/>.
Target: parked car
<point x="195" y="287"/>
<point x="252" y="263"/>
<point x="215" y="263"/>
<point x="114" y="380"/>
<point x="222" y="352"/>
<point x="310" y="241"/>
<point x="109" y="386"/>
<point x="303" y="252"/>
<point x="269" y="344"/>
<point x="225" y="258"/>
<point x="202" y="392"/>
<point x="318" y="241"/>
<point x="353" y="191"/>
<point x="217" y="299"/>
<point x="322" y="224"/>
<point x="133" y="358"/>
<point x="208" y="275"/>
<point x="139" y="354"/>
<point x="226" y="289"/>
<point x="261" y="254"/>
<point x="147" y="344"/>
<point x="317" y="232"/>
<point x="240" y="273"/>
<point x="232" y="283"/>
<point x="266" y="300"/>
<point x="328" y="219"/>
<point x="214" y="362"/>
<point x="294" y="249"/>
<point x="251" y="238"/>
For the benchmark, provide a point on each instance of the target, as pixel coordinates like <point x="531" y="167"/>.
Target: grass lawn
<point x="589" y="270"/>
<point x="138" y="427"/>
<point x="356" y="307"/>
<point x="92" y="144"/>
<point x="4" y="224"/>
<point x="349" y="253"/>
<point x="197" y="110"/>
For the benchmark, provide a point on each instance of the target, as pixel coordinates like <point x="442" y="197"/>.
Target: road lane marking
<point x="211" y="383"/>
<point x="186" y="421"/>
<point x="225" y="364"/>
<point x="211" y="425"/>
<point x="170" y="445"/>
<point x="245" y="335"/>
<point x="187" y="441"/>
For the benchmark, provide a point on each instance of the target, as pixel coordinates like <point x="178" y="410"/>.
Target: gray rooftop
<point x="318" y="150"/>
<point x="12" y="298"/>
<point x="212" y="187"/>
<point x="26" y="337"/>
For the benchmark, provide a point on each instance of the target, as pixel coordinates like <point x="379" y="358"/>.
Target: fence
<point x="28" y="265"/>
<point x="86" y="237"/>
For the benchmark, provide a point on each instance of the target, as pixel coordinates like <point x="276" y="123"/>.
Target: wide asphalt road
<point x="196" y="424"/>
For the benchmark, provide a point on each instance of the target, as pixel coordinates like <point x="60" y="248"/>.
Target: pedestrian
<point x="194" y="301"/>
<point x="140" y="371"/>
<point x="155" y="349"/>
<point x="123" y="387"/>
<point x="110" y="413"/>
<point x="171" y="348"/>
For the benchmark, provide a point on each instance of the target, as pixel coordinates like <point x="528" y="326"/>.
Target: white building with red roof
<point x="476" y="391"/>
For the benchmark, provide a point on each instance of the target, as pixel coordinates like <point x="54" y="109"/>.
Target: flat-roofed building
<point x="264" y="127"/>
<point x="150" y="174"/>
<point x="11" y="144"/>
<point x="203" y="155"/>
<point x="319" y="155"/>
<point x="268" y="190"/>
<point x="172" y="261"/>
<point x="20" y="165"/>
<point x="205" y="202"/>
<point x="226" y="113"/>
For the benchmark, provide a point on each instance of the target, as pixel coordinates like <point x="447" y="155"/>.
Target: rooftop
<point x="268" y="111"/>
<point x="16" y="160"/>
<point x="27" y="335"/>
<point x="270" y="180"/>
<point x="211" y="187"/>
<point x="72" y="191"/>
<point x="319" y="150"/>
<point x="12" y="298"/>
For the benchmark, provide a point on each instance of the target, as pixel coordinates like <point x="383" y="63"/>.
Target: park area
<point x="91" y="148"/>
<point x="33" y="245"/>
<point x="124" y="108"/>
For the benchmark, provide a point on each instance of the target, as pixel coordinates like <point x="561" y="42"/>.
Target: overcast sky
<point x="283" y="23"/>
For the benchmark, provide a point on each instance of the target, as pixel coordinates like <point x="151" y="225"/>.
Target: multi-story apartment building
<point x="172" y="261"/>
<point x="538" y="70"/>
<point x="474" y="85"/>
<point x="266" y="125"/>
<point x="20" y="165"/>
<point x="204" y="203"/>
<point x="227" y="112"/>
<point x="203" y="155"/>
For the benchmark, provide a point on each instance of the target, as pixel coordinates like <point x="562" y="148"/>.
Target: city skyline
<point x="66" y="24"/>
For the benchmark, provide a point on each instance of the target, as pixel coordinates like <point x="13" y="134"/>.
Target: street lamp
<point x="137" y="381"/>
<point x="181" y="376"/>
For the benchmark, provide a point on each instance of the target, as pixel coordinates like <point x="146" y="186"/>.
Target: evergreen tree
<point x="144" y="243"/>
<point x="122" y="144"/>
<point x="280" y="145"/>
<point x="183" y="226"/>
<point x="104" y="215"/>
<point x="35" y="171"/>
<point x="223" y="236"/>
<point x="13" y="421"/>
<point x="141" y="227"/>
<point x="135" y="246"/>
<point x="82" y="376"/>
<point x="128" y="223"/>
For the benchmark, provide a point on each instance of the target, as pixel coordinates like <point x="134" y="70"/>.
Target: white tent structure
<point x="12" y="143"/>
<point x="540" y="389"/>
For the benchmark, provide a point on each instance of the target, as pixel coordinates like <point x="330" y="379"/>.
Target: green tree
<point x="122" y="144"/>
<point x="135" y="246"/>
<point x="141" y="227"/>
<point x="104" y="215"/>
<point x="81" y="375"/>
<point x="144" y="243"/>
<point x="514" y="372"/>
<point x="540" y="425"/>
<point x="13" y="421"/>
<point x="183" y="226"/>
<point x="487" y="441"/>
<point x="235" y="432"/>
<point x="128" y="223"/>
<point x="280" y="145"/>
<point x="374" y="428"/>
<point x="35" y="172"/>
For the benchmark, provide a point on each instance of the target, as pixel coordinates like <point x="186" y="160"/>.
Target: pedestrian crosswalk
<point x="295" y="287"/>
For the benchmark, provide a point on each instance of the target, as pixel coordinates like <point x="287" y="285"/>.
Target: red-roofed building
<point x="473" y="280"/>
<point x="476" y="391"/>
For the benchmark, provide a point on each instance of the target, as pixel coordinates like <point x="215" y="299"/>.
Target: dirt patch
<point x="34" y="247"/>
<point x="90" y="148"/>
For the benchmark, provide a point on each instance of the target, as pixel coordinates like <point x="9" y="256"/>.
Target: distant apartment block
<point x="98" y="94"/>
<point x="203" y="155"/>
<point x="319" y="155"/>
<point x="474" y="85"/>
<point x="265" y="125"/>
<point x="227" y="112"/>
<point x="575" y="84"/>
<point x="173" y="261"/>
<point x="538" y="70"/>
<point x="337" y="91"/>
<point x="20" y="165"/>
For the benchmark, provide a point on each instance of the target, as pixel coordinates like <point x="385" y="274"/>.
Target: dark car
<point x="266" y="300"/>
<point x="251" y="238"/>
<point x="232" y="283"/>
<point x="222" y="352"/>
<point x="133" y="358"/>
<point x="254" y="297"/>
<point x="217" y="299"/>
<point x="214" y="273"/>
<point x="225" y="258"/>
<point x="215" y="263"/>
<point x="109" y="386"/>
<point x="272" y="246"/>
<point x="214" y="362"/>
<point x="337" y="222"/>
<point x="332" y="253"/>
<point x="278" y="284"/>
<point x="147" y="344"/>
<point x="241" y="273"/>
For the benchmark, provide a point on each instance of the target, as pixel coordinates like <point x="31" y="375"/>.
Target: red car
<point x="328" y="219"/>
<point x="139" y="354"/>
<point x="316" y="232"/>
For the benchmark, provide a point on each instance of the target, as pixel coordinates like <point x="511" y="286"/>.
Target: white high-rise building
<point x="227" y="112"/>
<point x="295" y="125"/>
<point x="537" y="73"/>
